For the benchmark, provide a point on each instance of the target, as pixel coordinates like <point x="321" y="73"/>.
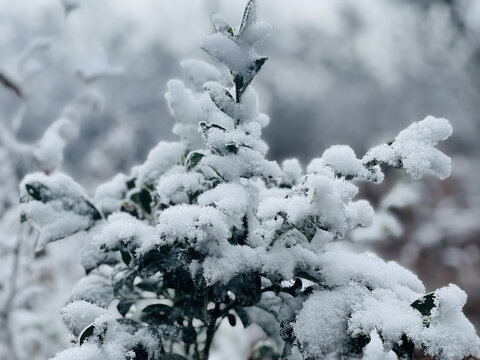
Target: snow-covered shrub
<point x="208" y="229"/>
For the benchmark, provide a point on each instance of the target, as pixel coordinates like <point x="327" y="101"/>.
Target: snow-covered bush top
<point x="208" y="228"/>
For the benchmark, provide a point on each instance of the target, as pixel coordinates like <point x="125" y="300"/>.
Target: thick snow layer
<point x="199" y="72"/>
<point x="445" y="334"/>
<point x="188" y="109"/>
<point x="414" y="149"/>
<point x="292" y="171"/>
<point x="160" y="159"/>
<point x="79" y="314"/>
<point x="343" y="160"/>
<point x="231" y="199"/>
<point x="124" y="231"/>
<point x="203" y="228"/>
<point x="321" y="325"/>
<point x="178" y="186"/>
<point x="342" y="267"/>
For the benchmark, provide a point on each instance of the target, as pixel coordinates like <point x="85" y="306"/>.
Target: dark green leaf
<point x="157" y="314"/>
<point x="144" y="199"/>
<point x="259" y="63"/>
<point x="131" y="183"/>
<point x="243" y="315"/>
<point x="249" y="16"/>
<point x="405" y="349"/>
<point x="86" y="333"/>
<point x="193" y="159"/>
<point x="126" y="257"/>
<point x="233" y="148"/>
<point x="123" y="306"/>
<point x="425" y="304"/>
<point x="39" y="191"/>
<point x="242" y="81"/>
<point x="356" y="344"/>
<point x="149" y="285"/>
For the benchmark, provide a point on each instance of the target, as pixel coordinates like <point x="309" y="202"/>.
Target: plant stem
<point x="210" y="332"/>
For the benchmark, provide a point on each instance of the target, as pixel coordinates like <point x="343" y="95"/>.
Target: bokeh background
<point x="340" y="72"/>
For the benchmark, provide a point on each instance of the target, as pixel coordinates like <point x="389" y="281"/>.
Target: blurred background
<point x="343" y="72"/>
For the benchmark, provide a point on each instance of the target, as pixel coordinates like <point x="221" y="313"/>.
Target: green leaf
<point x="86" y="333"/>
<point x="157" y="314"/>
<point x="232" y="147"/>
<point x="356" y="344"/>
<point x="207" y="126"/>
<point x="243" y="315"/>
<point x="149" y="285"/>
<point x="222" y="99"/>
<point x="242" y="81"/>
<point x="38" y="191"/>
<point x="425" y="304"/>
<point x="249" y="16"/>
<point x="405" y="349"/>
<point x="193" y="159"/>
<point x="131" y="183"/>
<point x="124" y="305"/>
<point x="126" y="257"/>
<point x="144" y="199"/>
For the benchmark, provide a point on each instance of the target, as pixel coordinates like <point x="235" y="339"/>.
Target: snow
<point x="226" y="50"/>
<point x="231" y="199"/>
<point x="448" y="335"/>
<point x="342" y="267"/>
<point x="160" y="159"/>
<point x="292" y="171"/>
<point x="199" y="72"/>
<point x="374" y="349"/>
<point x="201" y="227"/>
<point x="414" y="149"/>
<point x="321" y="325"/>
<point x="178" y="186"/>
<point x="49" y="150"/>
<point x="93" y="288"/>
<point x="109" y="196"/>
<point x="86" y="352"/>
<point x="343" y="160"/>
<point x="188" y="110"/>
<point x="218" y="195"/>
<point x="78" y="315"/>
<point x="124" y="231"/>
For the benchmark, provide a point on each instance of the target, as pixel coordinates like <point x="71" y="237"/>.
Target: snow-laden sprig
<point x="414" y="149"/>
<point x="234" y="46"/>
